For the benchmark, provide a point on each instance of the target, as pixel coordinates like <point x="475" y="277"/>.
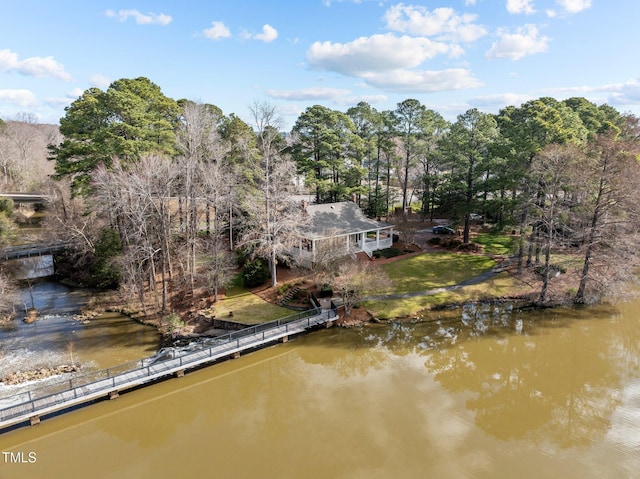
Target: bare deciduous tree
<point x="556" y="168"/>
<point x="136" y="198"/>
<point x="202" y="177"/>
<point x="356" y="279"/>
<point x="272" y="214"/>
<point x="9" y="297"/>
<point x="23" y="153"/>
<point x="611" y="210"/>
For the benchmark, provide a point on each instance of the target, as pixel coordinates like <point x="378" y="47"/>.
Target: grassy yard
<point x="495" y="244"/>
<point x="428" y="271"/>
<point x="247" y="307"/>
<point x="497" y="286"/>
<point x="431" y="271"/>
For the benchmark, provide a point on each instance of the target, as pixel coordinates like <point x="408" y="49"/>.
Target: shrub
<point x="107" y="248"/>
<point x="173" y="324"/>
<point x="451" y="243"/>
<point x="389" y="252"/>
<point x="241" y="257"/>
<point x="470" y="247"/>
<point x="254" y="274"/>
<point x="436" y="240"/>
<point x="326" y="291"/>
<point x="283" y="289"/>
<point x="6" y="206"/>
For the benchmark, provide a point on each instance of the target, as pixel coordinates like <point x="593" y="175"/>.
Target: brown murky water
<point x="482" y="393"/>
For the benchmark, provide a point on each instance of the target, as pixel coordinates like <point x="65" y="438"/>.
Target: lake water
<point x="482" y="392"/>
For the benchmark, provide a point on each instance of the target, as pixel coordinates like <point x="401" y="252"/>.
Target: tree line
<point x="163" y="190"/>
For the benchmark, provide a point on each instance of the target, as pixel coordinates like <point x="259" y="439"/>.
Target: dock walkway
<point x="32" y="405"/>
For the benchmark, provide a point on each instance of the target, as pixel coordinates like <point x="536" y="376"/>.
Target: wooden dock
<point x="31" y="406"/>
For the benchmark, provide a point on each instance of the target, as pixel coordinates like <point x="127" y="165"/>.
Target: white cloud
<point x="58" y="102"/>
<point x="268" y="34"/>
<point x="99" y="81"/>
<point x="443" y="23"/>
<point x="373" y="98"/>
<point x="75" y="93"/>
<point x="39" y="67"/>
<point x="389" y="62"/>
<point x="574" y="6"/>
<point x="22" y="98"/>
<point x="423" y="81"/>
<point x="140" y="18"/>
<point x="520" y="6"/>
<point x="519" y="44"/>
<point x="569" y="7"/>
<point x="619" y="94"/>
<point x="496" y="102"/>
<point x="217" y="31"/>
<point x="377" y="53"/>
<point x="625" y="94"/>
<point x="309" y="94"/>
<point x="322" y="94"/>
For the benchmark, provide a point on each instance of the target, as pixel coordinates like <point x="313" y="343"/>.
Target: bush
<point x="107" y="248"/>
<point x="470" y="247"/>
<point x="436" y="240"/>
<point x="241" y="258"/>
<point x="390" y="252"/>
<point x="326" y="291"/>
<point x="6" y="206"/>
<point x="173" y="324"/>
<point x="452" y="243"/>
<point x="283" y="289"/>
<point x="254" y="274"/>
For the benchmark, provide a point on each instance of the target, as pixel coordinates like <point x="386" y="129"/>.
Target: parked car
<point x="443" y="230"/>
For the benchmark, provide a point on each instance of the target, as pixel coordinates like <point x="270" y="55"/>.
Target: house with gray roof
<point x="337" y="229"/>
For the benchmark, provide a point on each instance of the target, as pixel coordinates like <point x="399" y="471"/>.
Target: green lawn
<point x="495" y="244"/>
<point x="248" y="308"/>
<point x="428" y="271"/>
<point x="497" y="286"/>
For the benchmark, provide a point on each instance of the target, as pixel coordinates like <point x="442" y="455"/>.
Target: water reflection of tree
<point x="555" y="383"/>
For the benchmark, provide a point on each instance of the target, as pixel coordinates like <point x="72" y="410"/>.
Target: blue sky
<point x="451" y="55"/>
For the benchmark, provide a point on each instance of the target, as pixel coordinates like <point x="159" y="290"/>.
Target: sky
<point x="451" y="55"/>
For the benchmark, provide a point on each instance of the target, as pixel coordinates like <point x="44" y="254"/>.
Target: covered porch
<point x="310" y="250"/>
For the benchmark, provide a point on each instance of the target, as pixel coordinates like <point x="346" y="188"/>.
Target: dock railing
<point x="93" y="385"/>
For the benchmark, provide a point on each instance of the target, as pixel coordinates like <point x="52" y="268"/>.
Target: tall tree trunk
<point x="547" y="272"/>
<point x="580" y="294"/>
